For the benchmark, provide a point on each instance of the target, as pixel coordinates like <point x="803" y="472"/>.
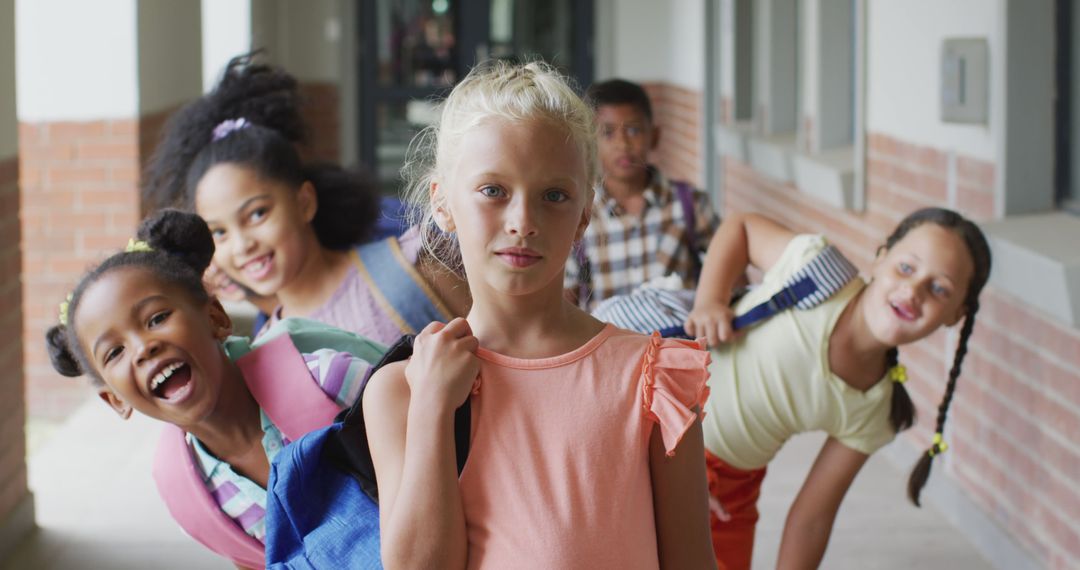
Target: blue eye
<point x="491" y="191"/>
<point x="257" y="214"/>
<point x="939" y="290"/>
<point x="555" y="196"/>
<point x="905" y="268"/>
<point x="633" y="131"/>
<point x="218" y="234"/>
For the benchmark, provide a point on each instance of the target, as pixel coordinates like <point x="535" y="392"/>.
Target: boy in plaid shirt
<point x="639" y="227"/>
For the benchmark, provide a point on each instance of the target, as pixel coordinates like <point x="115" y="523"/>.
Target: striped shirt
<point x="623" y="251"/>
<point x="340" y="376"/>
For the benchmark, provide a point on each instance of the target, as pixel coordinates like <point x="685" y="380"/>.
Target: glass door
<point x="414" y="51"/>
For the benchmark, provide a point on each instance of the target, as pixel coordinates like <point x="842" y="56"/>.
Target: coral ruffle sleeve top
<point x="558" y="468"/>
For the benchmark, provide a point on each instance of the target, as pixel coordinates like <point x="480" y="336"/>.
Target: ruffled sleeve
<point x="673" y="382"/>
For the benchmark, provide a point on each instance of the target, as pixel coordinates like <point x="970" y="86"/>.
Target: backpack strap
<point x="401" y="292"/>
<point x="182" y="489"/>
<point x="685" y="194"/>
<point x="824" y="275"/>
<point x="280" y="381"/>
<point x="584" y="273"/>
<point x="348" y="448"/>
<point x="818" y="280"/>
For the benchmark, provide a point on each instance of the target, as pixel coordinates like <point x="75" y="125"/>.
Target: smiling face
<point x="516" y="195"/>
<point x="625" y="138"/>
<point x="262" y="228"/>
<point x="156" y="349"/>
<point x="918" y="285"/>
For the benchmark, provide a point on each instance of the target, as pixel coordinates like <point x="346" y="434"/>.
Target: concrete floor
<point x="97" y="508"/>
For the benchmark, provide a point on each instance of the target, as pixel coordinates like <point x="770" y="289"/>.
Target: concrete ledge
<point x="733" y="141"/>
<point x="828" y="176"/>
<point x="772" y="156"/>
<point x="994" y="543"/>
<point x="18" y="525"/>
<point x="1036" y="259"/>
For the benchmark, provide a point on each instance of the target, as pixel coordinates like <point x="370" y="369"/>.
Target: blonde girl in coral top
<point x="586" y="446"/>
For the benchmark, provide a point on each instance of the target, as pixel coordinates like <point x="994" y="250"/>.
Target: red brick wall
<point x="678" y="112"/>
<point x="12" y="412"/>
<point x="321" y="112"/>
<point x="1016" y="413"/>
<point x="79" y="202"/>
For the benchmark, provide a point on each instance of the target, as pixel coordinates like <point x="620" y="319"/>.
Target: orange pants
<point x="733" y="514"/>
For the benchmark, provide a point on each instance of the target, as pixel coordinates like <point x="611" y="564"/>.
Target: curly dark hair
<point x="268" y="101"/>
<point x="181" y="250"/>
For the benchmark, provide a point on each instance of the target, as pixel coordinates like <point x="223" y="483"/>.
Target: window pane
<point x="416" y="43"/>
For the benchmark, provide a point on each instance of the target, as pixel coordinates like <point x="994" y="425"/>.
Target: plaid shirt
<point x="623" y="251"/>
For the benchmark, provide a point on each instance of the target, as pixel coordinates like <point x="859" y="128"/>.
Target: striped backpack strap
<point x="399" y="289"/>
<point x="818" y="280"/>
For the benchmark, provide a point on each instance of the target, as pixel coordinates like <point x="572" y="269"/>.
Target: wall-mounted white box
<point x="965" y="85"/>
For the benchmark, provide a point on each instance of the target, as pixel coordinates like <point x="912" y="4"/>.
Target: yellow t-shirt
<point x="775" y="381"/>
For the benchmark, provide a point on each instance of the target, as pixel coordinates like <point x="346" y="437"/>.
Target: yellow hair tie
<point x="939" y="445"/>
<point x="63" y="317"/>
<point x="898" y="373"/>
<point x="134" y="245"/>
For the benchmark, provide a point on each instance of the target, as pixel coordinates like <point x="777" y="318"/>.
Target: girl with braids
<point x="143" y="329"/>
<point x="833" y="367"/>
<point x="288" y="229"/>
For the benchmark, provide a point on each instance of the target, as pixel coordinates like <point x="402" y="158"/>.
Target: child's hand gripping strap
<point x="348" y="447"/>
<point x="825" y="274"/>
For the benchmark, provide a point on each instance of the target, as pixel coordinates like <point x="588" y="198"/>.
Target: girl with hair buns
<point x="585" y="449"/>
<point x="290" y="229"/>
<point x="143" y="329"/>
<point x="833" y="367"/>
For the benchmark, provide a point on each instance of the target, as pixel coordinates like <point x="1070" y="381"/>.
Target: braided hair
<point x="180" y="250"/>
<point x="902" y="412"/>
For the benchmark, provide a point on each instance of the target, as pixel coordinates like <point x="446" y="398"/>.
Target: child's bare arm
<point x="810" y="520"/>
<point x="741" y="241"/>
<point x="681" y="501"/>
<point x="409" y="418"/>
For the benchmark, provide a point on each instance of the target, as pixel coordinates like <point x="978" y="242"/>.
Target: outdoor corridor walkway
<point x="97" y="508"/>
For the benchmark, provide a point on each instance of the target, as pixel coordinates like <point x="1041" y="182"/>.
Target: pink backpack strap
<point x="281" y="383"/>
<point x="190" y="504"/>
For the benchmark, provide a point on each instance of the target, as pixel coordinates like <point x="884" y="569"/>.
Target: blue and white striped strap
<point x="818" y="280"/>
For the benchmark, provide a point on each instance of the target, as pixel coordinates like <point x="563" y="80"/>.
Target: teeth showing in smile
<point x="164" y="375"/>
<point x="256" y="265"/>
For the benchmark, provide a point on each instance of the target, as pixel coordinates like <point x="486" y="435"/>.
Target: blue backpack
<point x="322" y="506"/>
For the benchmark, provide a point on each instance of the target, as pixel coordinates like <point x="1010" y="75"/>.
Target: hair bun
<point x="180" y="234"/>
<point x="60" y="355"/>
